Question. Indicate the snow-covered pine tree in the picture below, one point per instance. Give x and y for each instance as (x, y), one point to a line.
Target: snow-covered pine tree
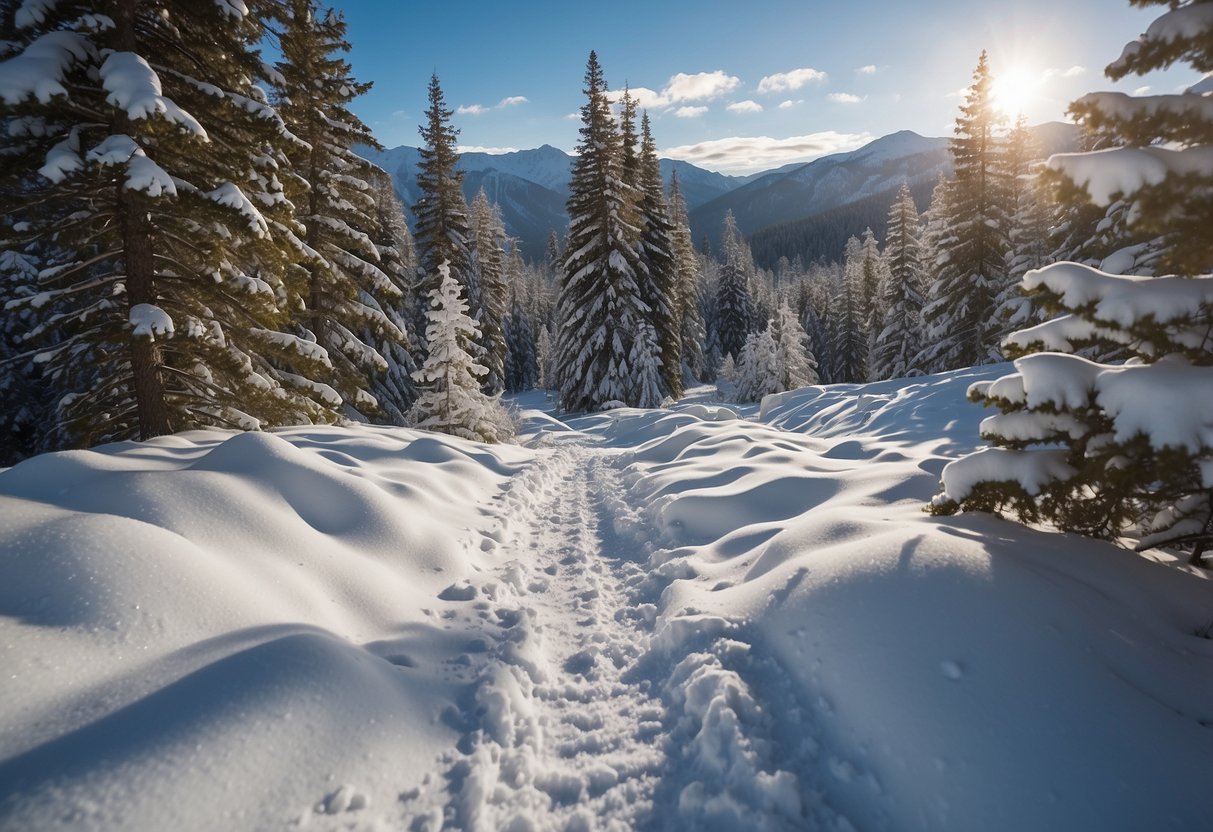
(347, 291)
(486, 288)
(553, 255)
(451, 399)
(521, 362)
(795, 365)
(899, 339)
(959, 314)
(848, 340)
(394, 389)
(757, 371)
(873, 277)
(25, 399)
(157, 156)
(734, 304)
(1115, 450)
(816, 308)
(441, 231)
(687, 279)
(659, 279)
(545, 360)
(1031, 218)
(600, 311)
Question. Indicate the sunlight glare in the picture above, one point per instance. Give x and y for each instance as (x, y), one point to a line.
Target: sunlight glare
(1015, 89)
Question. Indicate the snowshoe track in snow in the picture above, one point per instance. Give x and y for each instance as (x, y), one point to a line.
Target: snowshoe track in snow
(590, 714)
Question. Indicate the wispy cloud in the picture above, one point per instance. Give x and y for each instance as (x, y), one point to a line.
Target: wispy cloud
(492, 151)
(748, 154)
(789, 103)
(690, 112)
(793, 80)
(746, 106)
(844, 98)
(480, 109)
(1072, 72)
(681, 88)
(869, 69)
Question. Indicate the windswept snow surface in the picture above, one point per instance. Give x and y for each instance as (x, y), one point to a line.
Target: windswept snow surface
(697, 618)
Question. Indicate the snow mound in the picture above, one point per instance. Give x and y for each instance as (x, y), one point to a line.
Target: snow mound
(258, 606)
(917, 672)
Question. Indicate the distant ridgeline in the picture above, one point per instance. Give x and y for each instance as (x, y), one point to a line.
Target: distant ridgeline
(804, 209)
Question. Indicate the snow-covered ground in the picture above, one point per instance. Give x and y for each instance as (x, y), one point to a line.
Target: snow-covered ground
(643, 619)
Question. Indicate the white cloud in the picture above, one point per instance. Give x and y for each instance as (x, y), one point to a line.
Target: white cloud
(870, 69)
(645, 98)
(844, 98)
(741, 154)
(1074, 71)
(702, 86)
(690, 112)
(480, 109)
(573, 116)
(492, 151)
(787, 81)
(746, 106)
(1142, 90)
(789, 104)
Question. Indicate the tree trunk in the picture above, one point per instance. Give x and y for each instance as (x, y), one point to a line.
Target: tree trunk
(135, 228)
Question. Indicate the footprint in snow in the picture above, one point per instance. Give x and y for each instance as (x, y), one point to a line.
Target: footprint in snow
(345, 799)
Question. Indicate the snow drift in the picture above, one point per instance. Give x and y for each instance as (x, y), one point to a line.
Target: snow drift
(661, 619)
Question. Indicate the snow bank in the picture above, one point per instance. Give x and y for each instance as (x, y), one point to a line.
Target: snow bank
(911, 672)
(211, 630)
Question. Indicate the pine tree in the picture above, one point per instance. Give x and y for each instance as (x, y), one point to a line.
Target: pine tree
(873, 276)
(692, 334)
(659, 279)
(600, 310)
(347, 291)
(1030, 211)
(848, 340)
(451, 399)
(758, 370)
(545, 360)
(394, 388)
(522, 370)
(1115, 450)
(899, 339)
(160, 224)
(734, 305)
(972, 259)
(486, 289)
(795, 365)
(441, 231)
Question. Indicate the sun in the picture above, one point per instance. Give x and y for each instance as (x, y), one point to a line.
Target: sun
(1015, 89)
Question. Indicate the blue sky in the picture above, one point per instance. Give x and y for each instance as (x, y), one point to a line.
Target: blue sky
(752, 85)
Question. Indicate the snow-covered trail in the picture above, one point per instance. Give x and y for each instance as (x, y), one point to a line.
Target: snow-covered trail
(562, 737)
(581, 720)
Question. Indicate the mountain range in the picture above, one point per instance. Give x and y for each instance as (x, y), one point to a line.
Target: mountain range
(532, 186)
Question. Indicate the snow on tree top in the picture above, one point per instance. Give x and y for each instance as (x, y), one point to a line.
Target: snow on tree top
(1125, 299)
(1186, 22)
(233, 8)
(33, 13)
(148, 320)
(39, 71)
(1125, 170)
(134, 86)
